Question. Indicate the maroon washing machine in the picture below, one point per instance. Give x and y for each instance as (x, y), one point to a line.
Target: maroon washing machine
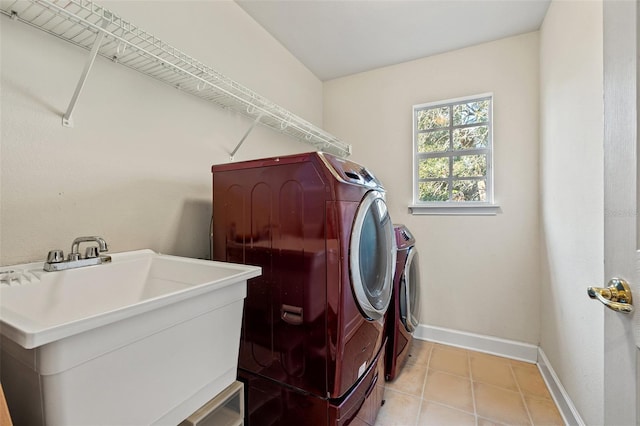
(403, 313)
(312, 344)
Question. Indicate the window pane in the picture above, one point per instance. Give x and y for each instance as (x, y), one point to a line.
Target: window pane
(470, 113)
(471, 137)
(433, 118)
(453, 150)
(433, 191)
(433, 168)
(469, 190)
(433, 141)
(470, 165)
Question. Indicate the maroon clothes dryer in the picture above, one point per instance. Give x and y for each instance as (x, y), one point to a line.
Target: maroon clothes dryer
(313, 324)
(403, 313)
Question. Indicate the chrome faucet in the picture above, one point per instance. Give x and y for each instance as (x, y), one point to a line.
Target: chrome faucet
(90, 252)
(56, 262)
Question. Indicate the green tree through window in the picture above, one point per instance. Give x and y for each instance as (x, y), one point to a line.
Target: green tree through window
(452, 151)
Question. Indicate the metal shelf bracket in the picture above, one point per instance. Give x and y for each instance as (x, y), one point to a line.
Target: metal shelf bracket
(102, 32)
(253, 125)
(66, 118)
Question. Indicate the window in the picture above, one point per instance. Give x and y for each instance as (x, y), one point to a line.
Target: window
(452, 154)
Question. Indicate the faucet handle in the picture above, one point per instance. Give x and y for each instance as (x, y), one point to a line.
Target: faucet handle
(55, 256)
(91, 252)
(73, 256)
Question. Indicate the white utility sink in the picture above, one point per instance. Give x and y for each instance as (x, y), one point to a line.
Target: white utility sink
(145, 339)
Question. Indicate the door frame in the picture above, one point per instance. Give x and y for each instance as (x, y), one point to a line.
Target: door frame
(620, 204)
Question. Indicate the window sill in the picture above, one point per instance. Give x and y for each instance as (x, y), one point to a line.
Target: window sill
(455, 210)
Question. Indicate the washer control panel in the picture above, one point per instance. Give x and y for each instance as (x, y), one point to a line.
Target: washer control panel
(352, 172)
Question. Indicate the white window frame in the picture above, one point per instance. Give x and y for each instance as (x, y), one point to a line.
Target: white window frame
(487, 207)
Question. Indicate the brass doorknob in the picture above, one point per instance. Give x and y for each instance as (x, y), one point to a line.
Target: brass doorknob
(617, 296)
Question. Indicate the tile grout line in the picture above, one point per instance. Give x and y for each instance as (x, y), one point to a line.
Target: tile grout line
(457, 375)
(424, 385)
(512, 367)
(473, 393)
(524, 402)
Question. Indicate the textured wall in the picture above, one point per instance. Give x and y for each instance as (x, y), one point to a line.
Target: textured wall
(571, 159)
(479, 274)
(136, 168)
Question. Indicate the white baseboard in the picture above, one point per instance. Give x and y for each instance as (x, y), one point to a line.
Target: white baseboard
(478, 342)
(563, 402)
(508, 349)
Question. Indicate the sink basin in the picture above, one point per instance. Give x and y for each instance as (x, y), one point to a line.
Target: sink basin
(145, 339)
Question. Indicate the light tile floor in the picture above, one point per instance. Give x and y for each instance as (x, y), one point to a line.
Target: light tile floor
(443, 385)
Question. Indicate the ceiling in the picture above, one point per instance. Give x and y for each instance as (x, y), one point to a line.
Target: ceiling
(337, 38)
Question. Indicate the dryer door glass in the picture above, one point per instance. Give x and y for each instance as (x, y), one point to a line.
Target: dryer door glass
(410, 292)
(372, 256)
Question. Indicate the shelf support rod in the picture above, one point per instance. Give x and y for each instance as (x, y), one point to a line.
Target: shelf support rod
(256, 121)
(66, 119)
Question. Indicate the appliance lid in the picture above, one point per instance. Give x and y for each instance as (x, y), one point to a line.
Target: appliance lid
(351, 172)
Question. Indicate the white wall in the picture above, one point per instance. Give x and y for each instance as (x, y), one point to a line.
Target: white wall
(571, 159)
(479, 274)
(136, 168)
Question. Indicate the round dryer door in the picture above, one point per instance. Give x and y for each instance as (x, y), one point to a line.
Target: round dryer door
(410, 292)
(372, 257)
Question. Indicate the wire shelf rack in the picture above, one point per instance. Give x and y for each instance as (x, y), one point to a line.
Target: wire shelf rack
(92, 27)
